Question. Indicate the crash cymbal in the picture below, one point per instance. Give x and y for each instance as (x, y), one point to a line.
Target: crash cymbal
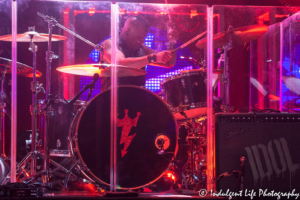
(215, 71)
(22, 69)
(102, 69)
(238, 35)
(37, 37)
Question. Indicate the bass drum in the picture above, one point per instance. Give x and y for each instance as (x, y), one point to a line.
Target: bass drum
(146, 138)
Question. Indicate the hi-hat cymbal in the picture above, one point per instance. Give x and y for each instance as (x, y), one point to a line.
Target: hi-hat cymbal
(37, 37)
(102, 69)
(22, 69)
(238, 35)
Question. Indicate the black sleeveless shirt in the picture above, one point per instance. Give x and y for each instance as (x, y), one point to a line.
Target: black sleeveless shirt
(130, 80)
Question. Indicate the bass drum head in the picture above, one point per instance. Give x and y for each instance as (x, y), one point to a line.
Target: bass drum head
(140, 160)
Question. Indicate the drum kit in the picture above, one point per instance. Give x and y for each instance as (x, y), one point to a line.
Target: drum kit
(147, 123)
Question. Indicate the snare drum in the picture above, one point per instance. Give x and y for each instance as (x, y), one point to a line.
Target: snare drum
(186, 92)
(146, 138)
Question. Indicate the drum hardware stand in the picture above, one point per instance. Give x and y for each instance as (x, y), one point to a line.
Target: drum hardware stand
(225, 77)
(49, 56)
(192, 175)
(35, 88)
(101, 53)
(2, 116)
(53, 22)
(4, 166)
(20, 168)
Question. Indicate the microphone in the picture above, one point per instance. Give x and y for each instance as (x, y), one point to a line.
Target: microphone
(92, 85)
(95, 79)
(89, 86)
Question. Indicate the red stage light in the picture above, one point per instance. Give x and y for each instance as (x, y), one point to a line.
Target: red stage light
(66, 11)
(170, 175)
(122, 11)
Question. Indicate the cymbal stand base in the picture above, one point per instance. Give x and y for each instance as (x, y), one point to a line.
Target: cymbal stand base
(21, 170)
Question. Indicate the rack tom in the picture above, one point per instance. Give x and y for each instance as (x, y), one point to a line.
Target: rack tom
(185, 94)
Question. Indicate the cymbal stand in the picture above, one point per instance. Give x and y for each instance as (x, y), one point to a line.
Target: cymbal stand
(35, 88)
(49, 56)
(96, 46)
(225, 79)
(2, 115)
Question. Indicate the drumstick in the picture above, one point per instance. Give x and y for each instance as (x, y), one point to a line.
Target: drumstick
(188, 42)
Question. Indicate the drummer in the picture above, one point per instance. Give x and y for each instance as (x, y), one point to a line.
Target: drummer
(132, 52)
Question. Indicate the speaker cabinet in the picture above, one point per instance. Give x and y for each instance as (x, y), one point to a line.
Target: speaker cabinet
(270, 144)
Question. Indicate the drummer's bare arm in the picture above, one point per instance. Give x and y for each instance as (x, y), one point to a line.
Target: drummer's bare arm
(135, 62)
(168, 58)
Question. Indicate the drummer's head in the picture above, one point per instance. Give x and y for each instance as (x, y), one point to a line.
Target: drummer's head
(135, 31)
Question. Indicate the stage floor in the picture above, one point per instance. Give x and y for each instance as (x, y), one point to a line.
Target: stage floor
(171, 194)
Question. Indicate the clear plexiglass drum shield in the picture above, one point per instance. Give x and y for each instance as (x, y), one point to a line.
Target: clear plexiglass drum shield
(248, 48)
(289, 84)
(66, 67)
(169, 90)
(8, 92)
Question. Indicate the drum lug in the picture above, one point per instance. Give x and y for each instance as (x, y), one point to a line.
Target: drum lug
(60, 110)
(161, 84)
(75, 137)
(186, 99)
(182, 82)
(58, 143)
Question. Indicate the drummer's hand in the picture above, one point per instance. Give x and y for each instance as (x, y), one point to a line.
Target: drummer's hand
(163, 57)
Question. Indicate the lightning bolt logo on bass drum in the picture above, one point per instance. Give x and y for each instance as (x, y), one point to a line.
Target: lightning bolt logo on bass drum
(126, 123)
